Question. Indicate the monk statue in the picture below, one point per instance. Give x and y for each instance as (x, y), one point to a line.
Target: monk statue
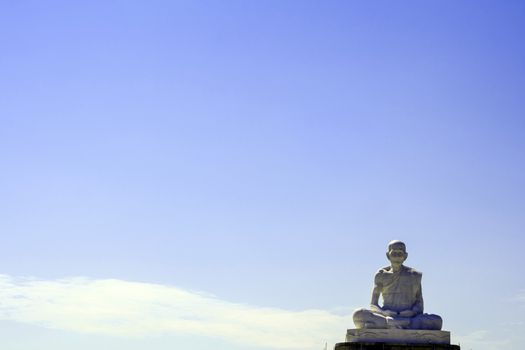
(400, 288)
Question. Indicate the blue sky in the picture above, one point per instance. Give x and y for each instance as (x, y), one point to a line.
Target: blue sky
(227, 174)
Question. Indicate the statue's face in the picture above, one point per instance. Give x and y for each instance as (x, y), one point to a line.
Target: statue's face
(397, 254)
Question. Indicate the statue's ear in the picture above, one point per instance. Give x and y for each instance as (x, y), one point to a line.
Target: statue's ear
(406, 255)
(387, 256)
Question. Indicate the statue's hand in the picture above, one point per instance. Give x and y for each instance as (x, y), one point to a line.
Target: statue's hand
(407, 313)
(389, 313)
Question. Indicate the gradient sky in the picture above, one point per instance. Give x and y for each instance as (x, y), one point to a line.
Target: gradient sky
(227, 174)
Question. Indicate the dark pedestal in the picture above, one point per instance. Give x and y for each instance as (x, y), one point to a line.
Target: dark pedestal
(393, 346)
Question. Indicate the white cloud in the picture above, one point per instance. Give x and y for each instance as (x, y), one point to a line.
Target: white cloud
(131, 309)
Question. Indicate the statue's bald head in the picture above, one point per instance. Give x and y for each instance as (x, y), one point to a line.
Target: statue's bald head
(397, 252)
(396, 244)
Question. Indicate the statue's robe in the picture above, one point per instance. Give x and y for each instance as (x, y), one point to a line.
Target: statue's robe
(400, 291)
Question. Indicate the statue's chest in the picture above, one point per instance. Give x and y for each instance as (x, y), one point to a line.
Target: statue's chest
(398, 283)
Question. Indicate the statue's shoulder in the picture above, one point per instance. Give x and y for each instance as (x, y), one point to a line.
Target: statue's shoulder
(381, 275)
(413, 271)
(385, 269)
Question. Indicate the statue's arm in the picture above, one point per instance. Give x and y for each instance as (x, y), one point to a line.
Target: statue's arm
(374, 303)
(418, 305)
(376, 293)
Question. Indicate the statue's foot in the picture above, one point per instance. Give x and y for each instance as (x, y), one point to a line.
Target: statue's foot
(371, 325)
(397, 323)
(394, 326)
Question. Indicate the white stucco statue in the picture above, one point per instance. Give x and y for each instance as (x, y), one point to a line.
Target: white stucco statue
(400, 288)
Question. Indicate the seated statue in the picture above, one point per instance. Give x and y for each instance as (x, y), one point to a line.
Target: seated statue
(400, 288)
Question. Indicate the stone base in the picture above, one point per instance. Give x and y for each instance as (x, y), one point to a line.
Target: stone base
(400, 336)
(393, 346)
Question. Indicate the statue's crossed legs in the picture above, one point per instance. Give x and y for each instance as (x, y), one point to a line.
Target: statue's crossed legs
(364, 318)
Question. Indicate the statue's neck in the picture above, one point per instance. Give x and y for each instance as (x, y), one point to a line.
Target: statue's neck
(396, 267)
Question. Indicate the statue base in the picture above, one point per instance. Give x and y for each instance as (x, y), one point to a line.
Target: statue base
(393, 346)
(396, 339)
(401, 336)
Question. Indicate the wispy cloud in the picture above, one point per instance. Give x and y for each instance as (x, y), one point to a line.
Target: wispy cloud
(132, 309)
